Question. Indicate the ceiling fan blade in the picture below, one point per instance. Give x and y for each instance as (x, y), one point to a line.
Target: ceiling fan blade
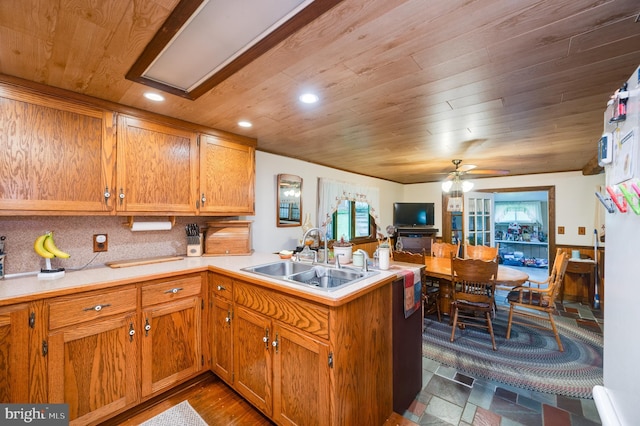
(488, 172)
(466, 167)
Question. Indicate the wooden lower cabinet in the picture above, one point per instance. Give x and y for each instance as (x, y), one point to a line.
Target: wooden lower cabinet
(14, 345)
(222, 338)
(110, 350)
(252, 355)
(300, 378)
(93, 367)
(171, 344)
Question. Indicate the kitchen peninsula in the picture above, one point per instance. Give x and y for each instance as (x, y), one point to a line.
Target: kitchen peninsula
(311, 352)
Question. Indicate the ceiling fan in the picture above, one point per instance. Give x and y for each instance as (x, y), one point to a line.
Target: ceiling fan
(454, 181)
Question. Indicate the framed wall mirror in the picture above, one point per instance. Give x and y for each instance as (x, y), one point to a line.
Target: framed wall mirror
(289, 201)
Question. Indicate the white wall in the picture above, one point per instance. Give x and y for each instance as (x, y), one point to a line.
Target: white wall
(266, 235)
(575, 200)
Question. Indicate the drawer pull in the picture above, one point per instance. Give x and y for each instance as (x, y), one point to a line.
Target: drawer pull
(97, 308)
(174, 290)
(221, 288)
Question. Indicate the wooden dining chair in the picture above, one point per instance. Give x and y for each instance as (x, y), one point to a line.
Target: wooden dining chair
(481, 252)
(430, 293)
(536, 299)
(473, 282)
(444, 249)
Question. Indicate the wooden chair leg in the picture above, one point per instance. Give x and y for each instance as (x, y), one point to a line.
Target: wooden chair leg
(438, 307)
(455, 323)
(555, 332)
(509, 324)
(490, 326)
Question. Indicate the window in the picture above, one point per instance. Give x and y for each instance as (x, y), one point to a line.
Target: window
(351, 220)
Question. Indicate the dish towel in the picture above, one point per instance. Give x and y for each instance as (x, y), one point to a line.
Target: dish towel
(412, 291)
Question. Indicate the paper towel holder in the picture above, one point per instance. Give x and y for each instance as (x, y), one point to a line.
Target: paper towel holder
(131, 219)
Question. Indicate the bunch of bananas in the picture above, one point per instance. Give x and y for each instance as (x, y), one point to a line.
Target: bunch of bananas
(46, 248)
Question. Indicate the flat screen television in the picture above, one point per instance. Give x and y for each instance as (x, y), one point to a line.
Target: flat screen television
(407, 215)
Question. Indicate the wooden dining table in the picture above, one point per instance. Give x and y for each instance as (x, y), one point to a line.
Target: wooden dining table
(439, 268)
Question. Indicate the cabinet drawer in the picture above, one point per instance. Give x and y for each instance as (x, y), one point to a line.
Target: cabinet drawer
(221, 286)
(71, 310)
(303, 315)
(165, 291)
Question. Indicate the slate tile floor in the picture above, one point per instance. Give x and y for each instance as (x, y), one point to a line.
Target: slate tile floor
(449, 397)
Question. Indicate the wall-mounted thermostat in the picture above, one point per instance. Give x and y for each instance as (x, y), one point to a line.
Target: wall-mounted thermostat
(605, 151)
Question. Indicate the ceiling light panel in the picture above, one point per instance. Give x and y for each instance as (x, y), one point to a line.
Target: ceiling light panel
(217, 33)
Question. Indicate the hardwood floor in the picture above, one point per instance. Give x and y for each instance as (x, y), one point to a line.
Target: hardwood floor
(216, 402)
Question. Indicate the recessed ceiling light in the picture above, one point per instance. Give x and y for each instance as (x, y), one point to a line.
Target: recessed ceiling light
(154, 97)
(309, 98)
(244, 124)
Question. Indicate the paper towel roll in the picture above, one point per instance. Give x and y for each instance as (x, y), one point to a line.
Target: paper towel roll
(151, 226)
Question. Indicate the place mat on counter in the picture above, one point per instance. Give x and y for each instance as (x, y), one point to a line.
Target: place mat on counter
(138, 262)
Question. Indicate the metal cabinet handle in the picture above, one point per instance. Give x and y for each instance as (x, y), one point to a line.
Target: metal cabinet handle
(107, 195)
(275, 343)
(97, 308)
(228, 317)
(173, 290)
(121, 195)
(265, 339)
(221, 288)
(203, 199)
(131, 332)
(147, 326)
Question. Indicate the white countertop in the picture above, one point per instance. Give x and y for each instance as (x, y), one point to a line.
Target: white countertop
(27, 288)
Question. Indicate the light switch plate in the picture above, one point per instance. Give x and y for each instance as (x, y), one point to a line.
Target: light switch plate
(560, 229)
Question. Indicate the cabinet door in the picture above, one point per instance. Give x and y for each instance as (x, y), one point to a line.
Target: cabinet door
(14, 349)
(222, 339)
(300, 378)
(157, 168)
(252, 356)
(227, 176)
(93, 367)
(171, 343)
(54, 155)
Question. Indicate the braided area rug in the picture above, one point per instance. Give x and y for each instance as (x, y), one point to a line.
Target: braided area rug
(529, 360)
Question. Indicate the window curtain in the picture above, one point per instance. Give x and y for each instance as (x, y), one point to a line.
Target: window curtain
(332, 192)
(524, 211)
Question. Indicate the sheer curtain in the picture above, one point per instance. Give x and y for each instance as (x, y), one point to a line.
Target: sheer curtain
(332, 192)
(522, 211)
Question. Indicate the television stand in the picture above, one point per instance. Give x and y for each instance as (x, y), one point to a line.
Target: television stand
(415, 240)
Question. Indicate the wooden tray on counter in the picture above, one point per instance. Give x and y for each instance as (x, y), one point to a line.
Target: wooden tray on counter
(138, 262)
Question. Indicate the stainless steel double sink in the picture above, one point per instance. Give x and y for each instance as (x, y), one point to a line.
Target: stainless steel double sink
(319, 276)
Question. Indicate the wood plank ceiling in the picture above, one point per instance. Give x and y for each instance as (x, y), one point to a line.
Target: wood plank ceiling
(405, 86)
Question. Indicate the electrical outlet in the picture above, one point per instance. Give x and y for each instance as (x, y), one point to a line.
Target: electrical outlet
(100, 242)
(581, 230)
(560, 229)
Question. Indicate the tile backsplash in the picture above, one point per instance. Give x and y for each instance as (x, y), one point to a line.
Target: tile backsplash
(74, 235)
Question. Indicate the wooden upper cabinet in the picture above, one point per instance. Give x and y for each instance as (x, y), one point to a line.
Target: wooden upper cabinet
(157, 168)
(55, 156)
(227, 177)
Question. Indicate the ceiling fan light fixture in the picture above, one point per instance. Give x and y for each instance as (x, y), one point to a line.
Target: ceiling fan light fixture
(467, 186)
(446, 185)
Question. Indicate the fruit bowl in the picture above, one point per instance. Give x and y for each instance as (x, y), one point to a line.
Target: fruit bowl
(285, 254)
